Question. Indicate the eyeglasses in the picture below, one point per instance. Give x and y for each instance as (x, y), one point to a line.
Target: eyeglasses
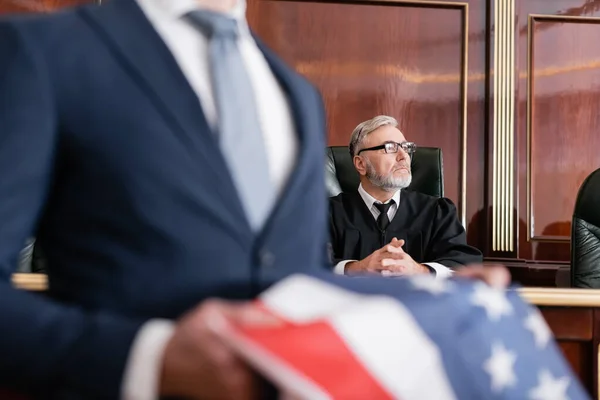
(393, 147)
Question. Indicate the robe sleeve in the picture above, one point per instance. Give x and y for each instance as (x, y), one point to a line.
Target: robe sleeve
(448, 244)
(334, 251)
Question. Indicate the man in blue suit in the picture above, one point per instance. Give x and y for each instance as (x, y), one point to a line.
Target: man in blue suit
(171, 159)
(133, 194)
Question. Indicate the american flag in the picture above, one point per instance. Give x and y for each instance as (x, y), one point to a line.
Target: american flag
(411, 339)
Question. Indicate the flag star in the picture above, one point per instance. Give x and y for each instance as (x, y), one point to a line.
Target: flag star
(431, 284)
(493, 300)
(550, 388)
(500, 367)
(538, 327)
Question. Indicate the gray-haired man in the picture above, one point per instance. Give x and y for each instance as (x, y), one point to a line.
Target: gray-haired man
(385, 229)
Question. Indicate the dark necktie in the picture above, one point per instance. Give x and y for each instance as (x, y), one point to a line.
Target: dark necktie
(383, 220)
(239, 130)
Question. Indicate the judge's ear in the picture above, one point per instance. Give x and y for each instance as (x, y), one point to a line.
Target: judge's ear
(360, 165)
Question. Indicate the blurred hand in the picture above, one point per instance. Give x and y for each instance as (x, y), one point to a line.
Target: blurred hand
(198, 365)
(390, 260)
(494, 275)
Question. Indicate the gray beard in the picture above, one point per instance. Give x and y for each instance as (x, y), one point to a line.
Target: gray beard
(388, 182)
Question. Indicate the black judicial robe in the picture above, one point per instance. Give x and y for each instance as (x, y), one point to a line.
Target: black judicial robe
(429, 226)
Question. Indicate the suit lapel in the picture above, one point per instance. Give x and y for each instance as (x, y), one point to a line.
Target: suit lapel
(148, 59)
(150, 62)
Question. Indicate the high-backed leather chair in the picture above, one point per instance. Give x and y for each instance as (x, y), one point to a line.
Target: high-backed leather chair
(427, 171)
(585, 235)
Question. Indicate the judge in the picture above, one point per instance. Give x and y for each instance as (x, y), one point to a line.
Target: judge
(383, 228)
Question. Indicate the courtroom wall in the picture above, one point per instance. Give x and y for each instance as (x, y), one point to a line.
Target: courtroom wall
(508, 90)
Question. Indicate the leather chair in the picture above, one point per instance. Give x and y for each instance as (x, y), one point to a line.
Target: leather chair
(585, 235)
(427, 171)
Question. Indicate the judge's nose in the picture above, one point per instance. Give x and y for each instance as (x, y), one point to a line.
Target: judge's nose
(401, 154)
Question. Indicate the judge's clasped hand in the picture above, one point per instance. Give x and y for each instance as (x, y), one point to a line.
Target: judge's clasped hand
(390, 260)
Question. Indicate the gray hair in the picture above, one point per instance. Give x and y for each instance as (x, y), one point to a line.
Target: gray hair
(365, 128)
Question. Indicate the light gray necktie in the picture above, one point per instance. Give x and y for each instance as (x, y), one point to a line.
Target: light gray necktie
(239, 130)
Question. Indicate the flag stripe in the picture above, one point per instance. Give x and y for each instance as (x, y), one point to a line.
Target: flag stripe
(292, 384)
(394, 348)
(320, 353)
(381, 334)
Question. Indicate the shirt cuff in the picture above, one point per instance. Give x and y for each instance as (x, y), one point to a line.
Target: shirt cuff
(340, 268)
(441, 271)
(144, 364)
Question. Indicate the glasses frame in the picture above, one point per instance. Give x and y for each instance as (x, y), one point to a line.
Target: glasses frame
(387, 146)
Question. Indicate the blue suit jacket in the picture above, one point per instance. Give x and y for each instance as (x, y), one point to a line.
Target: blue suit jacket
(106, 157)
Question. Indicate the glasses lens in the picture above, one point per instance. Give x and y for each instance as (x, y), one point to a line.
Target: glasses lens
(391, 147)
(409, 147)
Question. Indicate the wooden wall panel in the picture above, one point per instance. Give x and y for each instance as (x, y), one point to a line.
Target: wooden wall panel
(20, 6)
(563, 149)
(576, 331)
(407, 59)
(559, 78)
(513, 167)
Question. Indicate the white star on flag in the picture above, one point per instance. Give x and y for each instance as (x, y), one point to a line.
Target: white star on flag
(538, 327)
(493, 300)
(430, 284)
(550, 388)
(500, 367)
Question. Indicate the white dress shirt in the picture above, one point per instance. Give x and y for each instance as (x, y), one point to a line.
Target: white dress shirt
(190, 50)
(441, 271)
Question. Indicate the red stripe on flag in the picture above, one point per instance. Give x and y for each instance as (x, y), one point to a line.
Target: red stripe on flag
(320, 354)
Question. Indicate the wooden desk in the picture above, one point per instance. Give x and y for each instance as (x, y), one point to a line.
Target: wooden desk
(535, 273)
(574, 317)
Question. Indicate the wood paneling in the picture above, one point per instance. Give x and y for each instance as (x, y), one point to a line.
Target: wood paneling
(559, 77)
(404, 59)
(573, 315)
(576, 324)
(577, 355)
(431, 65)
(565, 79)
(575, 331)
(20, 6)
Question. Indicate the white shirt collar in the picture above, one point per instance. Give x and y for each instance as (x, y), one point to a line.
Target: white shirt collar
(370, 200)
(178, 8)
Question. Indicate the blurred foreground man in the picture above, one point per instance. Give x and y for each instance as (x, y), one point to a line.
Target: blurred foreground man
(158, 176)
